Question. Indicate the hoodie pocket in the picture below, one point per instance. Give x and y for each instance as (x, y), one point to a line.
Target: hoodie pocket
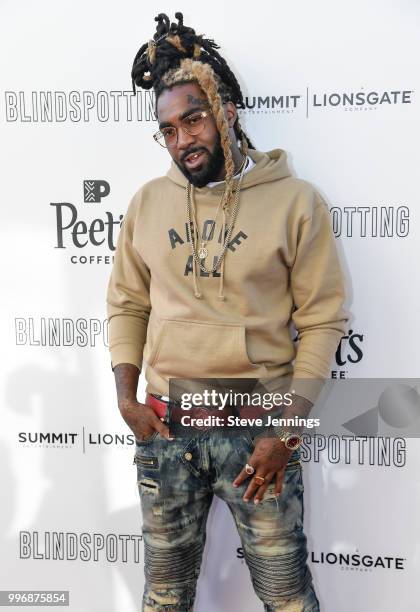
(186, 349)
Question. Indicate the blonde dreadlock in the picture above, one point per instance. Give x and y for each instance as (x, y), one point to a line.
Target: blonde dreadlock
(204, 75)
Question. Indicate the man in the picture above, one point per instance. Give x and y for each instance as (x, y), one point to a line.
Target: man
(213, 262)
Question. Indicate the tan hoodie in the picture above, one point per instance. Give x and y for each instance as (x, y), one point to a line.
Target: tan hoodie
(281, 266)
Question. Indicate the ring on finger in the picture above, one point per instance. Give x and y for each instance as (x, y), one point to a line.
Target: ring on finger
(259, 480)
(249, 469)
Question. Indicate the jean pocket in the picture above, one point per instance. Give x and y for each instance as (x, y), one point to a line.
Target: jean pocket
(148, 439)
(146, 461)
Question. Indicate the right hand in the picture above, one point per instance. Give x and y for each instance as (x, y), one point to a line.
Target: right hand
(142, 420)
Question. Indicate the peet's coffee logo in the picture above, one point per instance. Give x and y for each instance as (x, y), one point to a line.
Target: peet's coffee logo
(370, 221)
(75, 106)
(94, 191)
(349, 352)
(357, 561)
(74, 231)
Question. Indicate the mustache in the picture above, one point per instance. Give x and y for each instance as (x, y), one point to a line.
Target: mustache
(184, 157)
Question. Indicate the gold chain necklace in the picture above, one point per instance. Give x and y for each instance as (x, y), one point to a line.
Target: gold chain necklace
(203, 251)
(228, 234)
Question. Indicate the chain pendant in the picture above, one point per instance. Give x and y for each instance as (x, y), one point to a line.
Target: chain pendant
(202, 252)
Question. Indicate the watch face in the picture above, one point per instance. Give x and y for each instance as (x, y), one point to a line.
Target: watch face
(292, 442)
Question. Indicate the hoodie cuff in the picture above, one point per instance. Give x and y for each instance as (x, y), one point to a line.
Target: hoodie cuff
(126, 353)
(306, 387)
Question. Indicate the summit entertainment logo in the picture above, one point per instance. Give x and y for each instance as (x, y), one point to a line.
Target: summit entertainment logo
(271, 104)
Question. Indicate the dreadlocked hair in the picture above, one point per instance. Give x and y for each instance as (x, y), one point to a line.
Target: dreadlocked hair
(177, 55)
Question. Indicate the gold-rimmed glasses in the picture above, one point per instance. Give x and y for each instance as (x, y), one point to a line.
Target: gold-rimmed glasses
(192, 124)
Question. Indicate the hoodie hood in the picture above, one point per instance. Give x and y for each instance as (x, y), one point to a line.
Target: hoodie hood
(269, 166)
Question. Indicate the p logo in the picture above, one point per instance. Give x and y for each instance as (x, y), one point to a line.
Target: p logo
(94, 191)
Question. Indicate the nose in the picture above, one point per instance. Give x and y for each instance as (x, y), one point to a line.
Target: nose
(185, 141)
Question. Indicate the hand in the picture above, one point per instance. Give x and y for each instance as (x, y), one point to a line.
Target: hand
(269, 459)
(142, 420)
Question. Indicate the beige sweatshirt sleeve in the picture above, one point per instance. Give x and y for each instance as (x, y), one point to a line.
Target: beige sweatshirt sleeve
(128, 300)
(318, 290)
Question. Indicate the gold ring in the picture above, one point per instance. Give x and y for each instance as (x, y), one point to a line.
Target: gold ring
(261, 478)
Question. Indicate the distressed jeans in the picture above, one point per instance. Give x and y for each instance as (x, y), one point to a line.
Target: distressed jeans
(177, 480)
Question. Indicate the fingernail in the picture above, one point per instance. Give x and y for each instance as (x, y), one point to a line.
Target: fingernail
(235, 485)
(256, 501)
(246, 499)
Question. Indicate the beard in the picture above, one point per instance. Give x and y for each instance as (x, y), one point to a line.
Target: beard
(209, 170)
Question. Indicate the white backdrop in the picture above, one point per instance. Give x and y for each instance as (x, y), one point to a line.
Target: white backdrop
(70, 517)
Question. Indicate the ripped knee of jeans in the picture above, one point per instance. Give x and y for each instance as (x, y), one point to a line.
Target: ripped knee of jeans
(162, 597)
(150, 492)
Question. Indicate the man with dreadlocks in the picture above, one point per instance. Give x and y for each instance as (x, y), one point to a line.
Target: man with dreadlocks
(213, 262)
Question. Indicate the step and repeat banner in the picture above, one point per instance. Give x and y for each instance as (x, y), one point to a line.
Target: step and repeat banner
(337, 87)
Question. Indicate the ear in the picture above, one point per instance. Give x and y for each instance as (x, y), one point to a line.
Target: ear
(230, 113)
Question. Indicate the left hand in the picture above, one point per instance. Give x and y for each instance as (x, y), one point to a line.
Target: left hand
(269, 459)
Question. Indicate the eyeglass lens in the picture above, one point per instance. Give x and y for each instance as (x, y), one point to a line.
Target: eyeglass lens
(193, 124)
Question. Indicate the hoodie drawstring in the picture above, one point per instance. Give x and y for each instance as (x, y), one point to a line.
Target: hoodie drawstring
(222, 267)
(197, 291)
